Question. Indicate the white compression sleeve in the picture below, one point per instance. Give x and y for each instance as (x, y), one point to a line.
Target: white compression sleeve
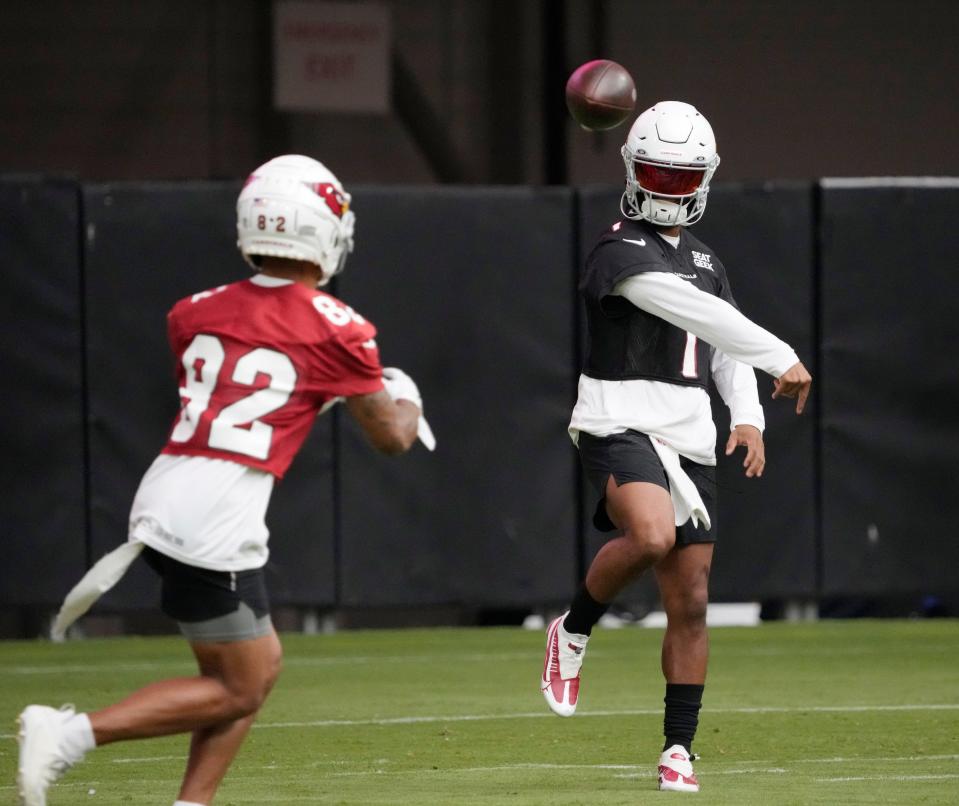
(736, 384)
(710, 318)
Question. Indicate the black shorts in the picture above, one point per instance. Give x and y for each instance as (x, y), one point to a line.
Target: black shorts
(630, 456)
(191, 594)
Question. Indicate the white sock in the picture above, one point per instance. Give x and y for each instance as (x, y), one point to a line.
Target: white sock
(77, 738)
(188, 803)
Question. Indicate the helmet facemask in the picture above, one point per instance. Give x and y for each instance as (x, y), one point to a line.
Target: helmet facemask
(673, 194)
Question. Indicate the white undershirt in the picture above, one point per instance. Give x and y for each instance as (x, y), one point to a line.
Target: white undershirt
(204, 512)
(680, 415)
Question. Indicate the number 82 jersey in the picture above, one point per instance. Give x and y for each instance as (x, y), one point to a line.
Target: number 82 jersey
(257, 360)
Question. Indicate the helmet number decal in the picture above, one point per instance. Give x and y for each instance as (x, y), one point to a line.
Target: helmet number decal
(689, 357)
(279, 222)
(237, 427)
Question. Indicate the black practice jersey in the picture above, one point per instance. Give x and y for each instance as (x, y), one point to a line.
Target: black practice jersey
(626, 343)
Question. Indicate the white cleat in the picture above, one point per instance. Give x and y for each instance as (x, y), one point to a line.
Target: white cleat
(41, 760)
(676, 771)
(564, 657)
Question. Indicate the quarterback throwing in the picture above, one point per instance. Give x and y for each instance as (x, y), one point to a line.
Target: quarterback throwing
(662, 322)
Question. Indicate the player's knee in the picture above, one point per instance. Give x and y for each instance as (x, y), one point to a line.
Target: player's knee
(272, 672)
(696, 608)
(247, 701)
(651, 542)
(689, 609)
(661, 544)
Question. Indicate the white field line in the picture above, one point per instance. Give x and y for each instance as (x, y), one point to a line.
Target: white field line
(887, 778)
(641, 771)
(479, 657)
(416, 720)
(737, 767)
(145, 760)
(756, 771)
(432, 719)
(343, 660)
(61, 784)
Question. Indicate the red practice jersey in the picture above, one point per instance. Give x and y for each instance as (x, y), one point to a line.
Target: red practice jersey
(257, 361)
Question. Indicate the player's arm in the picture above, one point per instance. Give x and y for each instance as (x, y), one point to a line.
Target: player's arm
(736, 384)
(389, 425)
(718, 323)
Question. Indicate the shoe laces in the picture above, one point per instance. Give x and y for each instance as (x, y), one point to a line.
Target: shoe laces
(59, 766)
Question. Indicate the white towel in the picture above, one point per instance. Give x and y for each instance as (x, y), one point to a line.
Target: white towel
(687, 503)
(104, 574)
(425, 433)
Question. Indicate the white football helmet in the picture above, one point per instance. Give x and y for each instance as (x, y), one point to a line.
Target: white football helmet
(294, 207)
(670, 156)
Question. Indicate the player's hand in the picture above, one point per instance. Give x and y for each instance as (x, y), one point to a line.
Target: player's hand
(401, 386)
(751, 439)
(794, 382)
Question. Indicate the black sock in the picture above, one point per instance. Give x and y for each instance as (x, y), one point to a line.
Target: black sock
(584, 612)
(683, 701)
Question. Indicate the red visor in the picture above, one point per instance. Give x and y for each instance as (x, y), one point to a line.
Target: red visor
(667, 181)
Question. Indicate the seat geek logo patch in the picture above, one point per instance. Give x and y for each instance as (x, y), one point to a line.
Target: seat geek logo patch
(702, 260)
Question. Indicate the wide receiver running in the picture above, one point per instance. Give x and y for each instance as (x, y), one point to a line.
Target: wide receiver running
(662, 320)
(257, 360)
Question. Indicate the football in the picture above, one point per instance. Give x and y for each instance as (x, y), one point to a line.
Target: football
(600, 94)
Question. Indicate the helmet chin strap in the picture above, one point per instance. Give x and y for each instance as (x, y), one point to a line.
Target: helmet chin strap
(663, 213)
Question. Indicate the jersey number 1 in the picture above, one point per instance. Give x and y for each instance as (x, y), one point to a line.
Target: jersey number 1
(689, 357)
(237, 427)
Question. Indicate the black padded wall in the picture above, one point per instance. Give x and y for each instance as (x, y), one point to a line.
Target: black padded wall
(42, 505)
(764, 236)
(890, 426)
(147, 246)
(471, 290)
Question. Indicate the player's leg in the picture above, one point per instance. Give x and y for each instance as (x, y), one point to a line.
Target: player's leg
(683, 578)
(181, 705)
(51, 741)
(636, 501)
(213, 747)
(644, 513)
(225, 616)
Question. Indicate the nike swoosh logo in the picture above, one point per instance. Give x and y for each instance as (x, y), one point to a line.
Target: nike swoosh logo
(640, 242)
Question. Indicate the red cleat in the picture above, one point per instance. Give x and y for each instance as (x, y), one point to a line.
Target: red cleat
(564, 657)
(676, 771)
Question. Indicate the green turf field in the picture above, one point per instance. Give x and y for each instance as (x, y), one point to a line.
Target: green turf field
(831, 713)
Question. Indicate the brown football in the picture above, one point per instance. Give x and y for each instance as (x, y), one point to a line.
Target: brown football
(600, 94)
